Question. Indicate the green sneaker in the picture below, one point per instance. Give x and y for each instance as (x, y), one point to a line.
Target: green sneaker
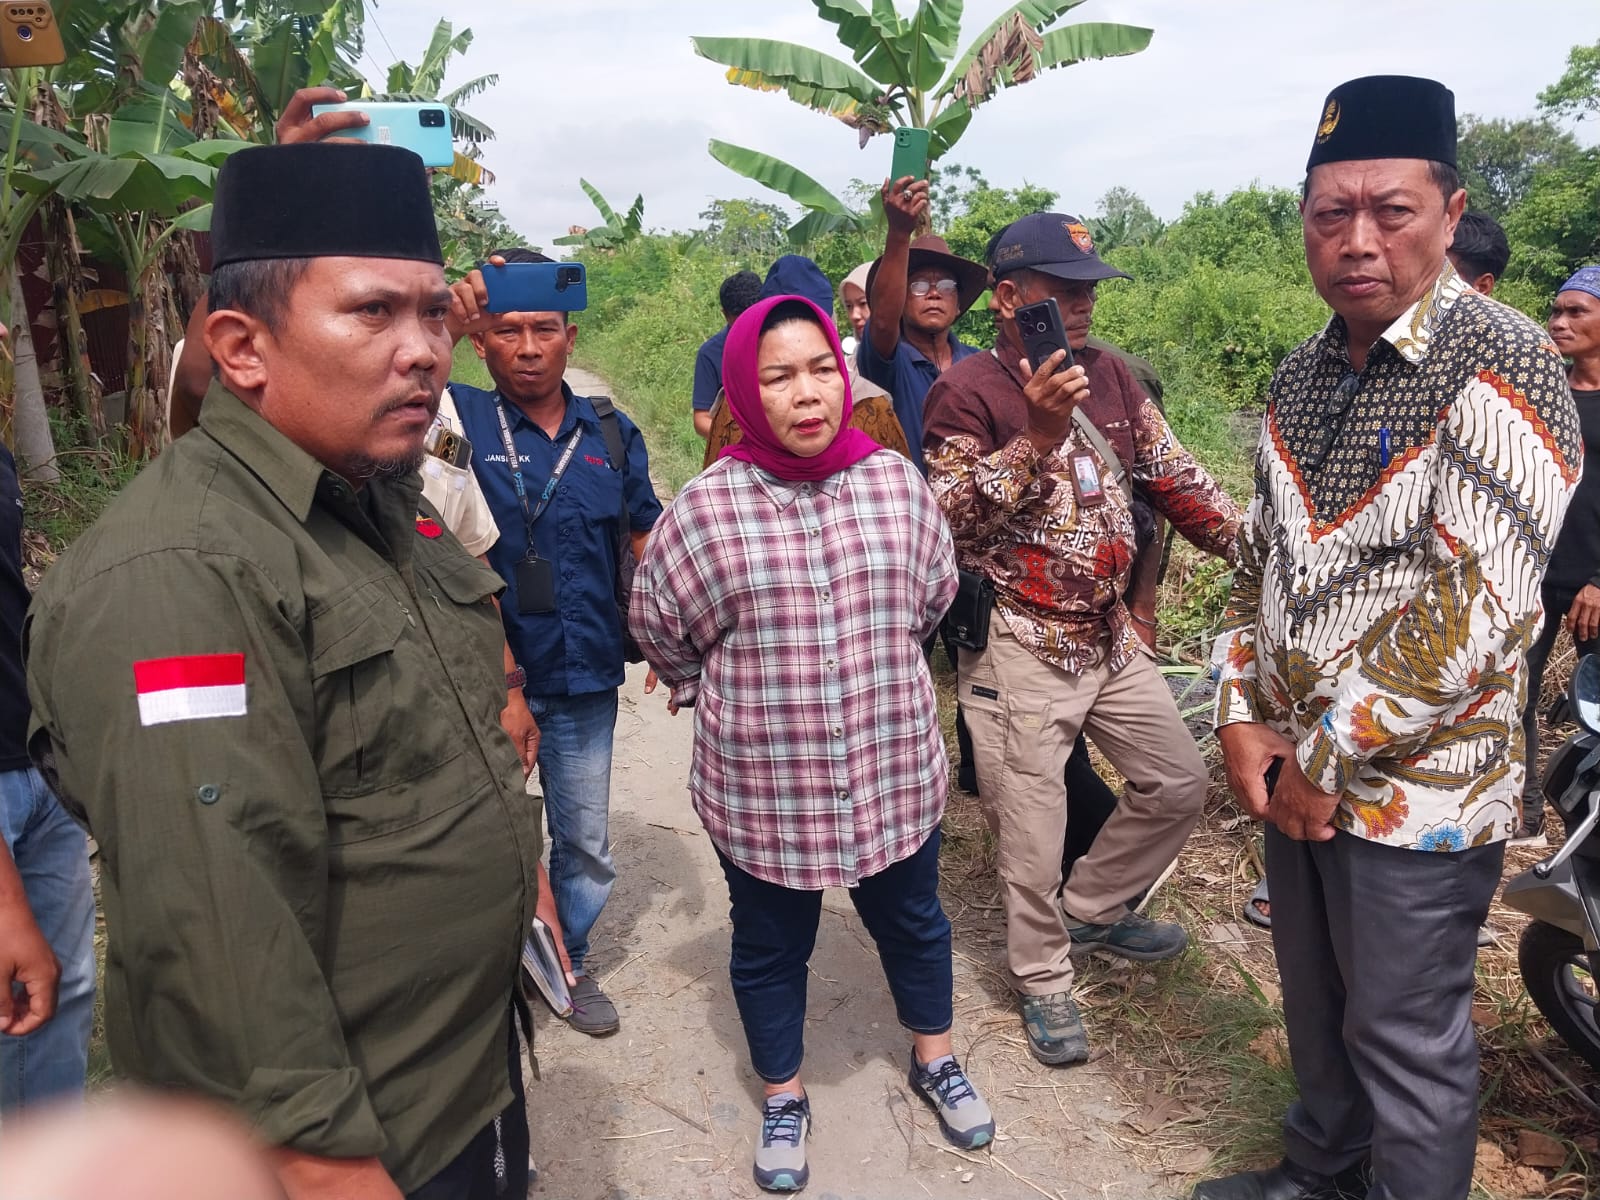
(963, 1115)
(1055, 1030)
(781, 1156)
(1132, 936)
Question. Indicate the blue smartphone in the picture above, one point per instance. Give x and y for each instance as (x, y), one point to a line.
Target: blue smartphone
(536, 287)
(418, 125)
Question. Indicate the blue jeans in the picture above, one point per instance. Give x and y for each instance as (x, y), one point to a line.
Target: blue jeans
(775, 929)
(575, 772)
(52, 856)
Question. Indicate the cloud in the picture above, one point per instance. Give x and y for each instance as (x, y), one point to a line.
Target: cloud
(1227, 94)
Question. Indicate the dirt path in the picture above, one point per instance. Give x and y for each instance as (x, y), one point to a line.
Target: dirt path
(668, 1107)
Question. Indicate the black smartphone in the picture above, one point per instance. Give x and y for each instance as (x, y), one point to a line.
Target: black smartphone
(1270, 776)
(1042, 333)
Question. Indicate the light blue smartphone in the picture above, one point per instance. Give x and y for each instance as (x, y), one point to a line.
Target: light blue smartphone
(419, 125)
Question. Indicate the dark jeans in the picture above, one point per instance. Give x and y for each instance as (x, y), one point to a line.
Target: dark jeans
(1556, 603)
(494, 1164)
(775, 929)
(1384, 1053)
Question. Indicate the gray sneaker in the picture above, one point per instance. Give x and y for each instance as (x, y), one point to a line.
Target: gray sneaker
(592, 1010)
(1055, 1030)
(963, 1115)
(1132, 936)
(781, 1156)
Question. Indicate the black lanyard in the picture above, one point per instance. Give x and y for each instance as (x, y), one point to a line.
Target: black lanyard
(514, 461)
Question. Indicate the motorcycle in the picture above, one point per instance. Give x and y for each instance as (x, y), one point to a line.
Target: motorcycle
(1559, 953)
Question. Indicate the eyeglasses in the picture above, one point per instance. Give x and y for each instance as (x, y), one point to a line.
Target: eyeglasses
(922, 287)
(1333, 415)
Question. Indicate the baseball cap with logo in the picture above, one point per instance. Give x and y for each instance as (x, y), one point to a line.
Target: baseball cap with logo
(1053, 243)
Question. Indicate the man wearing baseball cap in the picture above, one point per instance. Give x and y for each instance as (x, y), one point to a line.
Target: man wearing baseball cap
(269, 681)
(1033, 465)
(1414, 468)
(918, 291)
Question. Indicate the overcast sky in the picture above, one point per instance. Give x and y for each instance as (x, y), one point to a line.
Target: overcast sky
(1229, 92)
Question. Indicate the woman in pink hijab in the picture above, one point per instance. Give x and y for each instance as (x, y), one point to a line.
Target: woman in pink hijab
(785, 595)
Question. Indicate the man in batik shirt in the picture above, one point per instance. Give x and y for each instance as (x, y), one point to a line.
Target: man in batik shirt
(1414, 467)
(1033, 469)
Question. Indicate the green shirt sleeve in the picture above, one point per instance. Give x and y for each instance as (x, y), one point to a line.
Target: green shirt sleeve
(214, 864)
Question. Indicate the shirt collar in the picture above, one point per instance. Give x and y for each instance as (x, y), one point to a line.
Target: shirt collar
(1412, 332)
(578, 409)
(784, 492)
(958, 349)
(288, 472)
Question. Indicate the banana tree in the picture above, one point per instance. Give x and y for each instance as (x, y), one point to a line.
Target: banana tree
(152, 180)
(613, 231)
(425, 81)
(903, 71)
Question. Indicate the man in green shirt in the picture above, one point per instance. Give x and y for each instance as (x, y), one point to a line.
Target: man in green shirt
(270, 682)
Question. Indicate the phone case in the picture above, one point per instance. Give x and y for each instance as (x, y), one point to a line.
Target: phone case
(910, 154)
(418, 125)
(29, 36)
(1042, 333)
(536, 287)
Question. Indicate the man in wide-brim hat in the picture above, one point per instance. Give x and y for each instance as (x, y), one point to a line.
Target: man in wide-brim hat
(918, 291)
(1413, 472)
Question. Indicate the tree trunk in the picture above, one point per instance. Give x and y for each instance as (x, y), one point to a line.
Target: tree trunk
(149, 355)
(64, 261)
(36, 451)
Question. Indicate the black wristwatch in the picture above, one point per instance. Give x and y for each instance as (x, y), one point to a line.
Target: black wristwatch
(516, 680)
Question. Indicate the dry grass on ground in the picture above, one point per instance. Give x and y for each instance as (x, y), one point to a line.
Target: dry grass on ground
(1196, 1047)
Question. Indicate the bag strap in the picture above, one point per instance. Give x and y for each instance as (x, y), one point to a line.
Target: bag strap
(611, 428)
(1102, 447)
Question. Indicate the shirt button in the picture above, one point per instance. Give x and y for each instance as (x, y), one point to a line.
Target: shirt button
(208, 793)
(827, 595)
(831, 665)
(1302, 570)
(1300, 706)
(814, 531)
(838, 731)
(844, 795)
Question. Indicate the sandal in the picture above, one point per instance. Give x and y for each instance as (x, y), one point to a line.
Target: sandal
(1252, 906)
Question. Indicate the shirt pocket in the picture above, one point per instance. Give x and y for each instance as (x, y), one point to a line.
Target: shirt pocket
(372, 731)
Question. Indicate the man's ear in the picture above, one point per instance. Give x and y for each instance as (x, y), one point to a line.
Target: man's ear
(234, 341)
(572, 337)
(477, 343)
(1007, 298)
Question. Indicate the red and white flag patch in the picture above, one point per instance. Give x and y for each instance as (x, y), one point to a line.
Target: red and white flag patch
(193, 687)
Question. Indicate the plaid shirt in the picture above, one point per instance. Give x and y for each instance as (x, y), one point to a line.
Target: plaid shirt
(793, 616)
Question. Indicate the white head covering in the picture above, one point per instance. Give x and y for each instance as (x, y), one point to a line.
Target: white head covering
(857, 277)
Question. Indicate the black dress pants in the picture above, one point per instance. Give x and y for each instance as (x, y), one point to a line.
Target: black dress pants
(1376, 947)
(494, 1165)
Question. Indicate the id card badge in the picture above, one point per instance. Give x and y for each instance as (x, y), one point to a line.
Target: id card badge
(1086, 479)
(536, 586)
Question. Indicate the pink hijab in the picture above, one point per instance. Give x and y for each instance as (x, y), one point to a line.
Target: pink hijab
(742, 380)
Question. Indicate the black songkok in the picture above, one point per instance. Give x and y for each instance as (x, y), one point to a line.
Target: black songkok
(323, 200)
(1387, 116)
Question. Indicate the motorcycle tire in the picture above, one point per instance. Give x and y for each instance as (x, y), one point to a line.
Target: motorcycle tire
(1553, 963)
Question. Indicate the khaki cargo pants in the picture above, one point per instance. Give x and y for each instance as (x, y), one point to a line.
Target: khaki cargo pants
(1024, 715)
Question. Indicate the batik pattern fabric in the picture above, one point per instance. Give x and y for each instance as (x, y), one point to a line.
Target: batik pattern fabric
(1060, 567)
(1385, 598)
(792, 616)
